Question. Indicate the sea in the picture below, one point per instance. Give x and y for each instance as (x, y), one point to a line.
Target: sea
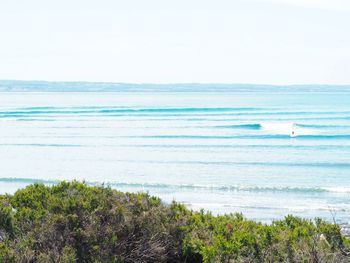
(263, 151)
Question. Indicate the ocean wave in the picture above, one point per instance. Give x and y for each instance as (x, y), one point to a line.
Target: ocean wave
(8, 119)
(339, 165)
(330, 136)
(251, 126)
(160, 186)
(232, 118)
(108, 110)
(281, 126)
(242, 146)
(283, 189)
(27, 180)
(79, 110)
(253, 136)
(321, 126)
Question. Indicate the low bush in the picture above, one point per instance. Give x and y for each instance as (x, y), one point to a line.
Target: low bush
(74, 222)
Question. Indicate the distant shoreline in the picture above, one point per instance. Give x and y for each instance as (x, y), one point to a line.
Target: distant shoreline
(79, 86)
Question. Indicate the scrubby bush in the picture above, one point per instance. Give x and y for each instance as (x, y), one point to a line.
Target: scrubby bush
(73, 222)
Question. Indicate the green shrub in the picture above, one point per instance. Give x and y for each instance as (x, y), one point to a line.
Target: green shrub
(74, 222)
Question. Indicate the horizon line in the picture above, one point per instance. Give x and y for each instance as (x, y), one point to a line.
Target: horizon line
(170, 83)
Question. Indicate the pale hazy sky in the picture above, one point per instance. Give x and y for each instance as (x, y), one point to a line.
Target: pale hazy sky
(162, 41)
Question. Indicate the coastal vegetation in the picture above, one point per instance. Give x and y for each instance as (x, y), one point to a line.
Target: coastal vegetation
(74, 222)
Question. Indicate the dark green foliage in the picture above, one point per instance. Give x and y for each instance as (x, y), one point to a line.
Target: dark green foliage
(73, 222)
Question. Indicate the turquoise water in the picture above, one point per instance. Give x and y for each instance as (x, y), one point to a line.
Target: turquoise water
(221, 151)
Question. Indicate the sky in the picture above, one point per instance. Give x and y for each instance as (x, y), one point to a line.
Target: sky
(177, 41)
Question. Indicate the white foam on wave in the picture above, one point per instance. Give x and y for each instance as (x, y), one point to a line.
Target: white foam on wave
(338, 189)
(8, 119)
(286, 128)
